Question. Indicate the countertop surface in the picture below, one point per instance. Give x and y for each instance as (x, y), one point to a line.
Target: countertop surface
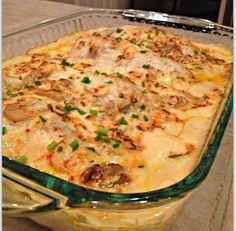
(209, 209)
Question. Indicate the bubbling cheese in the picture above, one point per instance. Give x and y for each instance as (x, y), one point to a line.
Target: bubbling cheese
(114, 109)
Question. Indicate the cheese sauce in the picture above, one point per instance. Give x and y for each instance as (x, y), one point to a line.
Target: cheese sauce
(114, 109)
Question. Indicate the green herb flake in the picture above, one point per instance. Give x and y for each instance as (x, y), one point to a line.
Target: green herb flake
(102, 135)
(52, 145)
(97, 72)
(86, 80)
(119, 39)
(119, 75)
(110, 82)
(42, 119)
(196, 52)
(145, 66)
(122, 121)
(21, 159)
(26, 86)
(119, 30)
(133, 40)
(145, 118)
(103, 73)
(67, 108)
(156, 84)
(81, 112)
(37, 83)
(93, 112)
(101, 131)
(116, 144)
(149, 36)
(144, 91)
(135, 116)
(74, 145)
(4, 131)
(9, 93)
(59, 149)
(64, 62)
(143, 51)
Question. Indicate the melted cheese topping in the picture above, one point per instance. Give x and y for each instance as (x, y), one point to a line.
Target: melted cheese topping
(115, 109)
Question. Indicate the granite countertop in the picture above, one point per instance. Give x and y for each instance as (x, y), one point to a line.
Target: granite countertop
(210, 208)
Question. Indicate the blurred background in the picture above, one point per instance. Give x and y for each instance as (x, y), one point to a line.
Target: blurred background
(220, 11)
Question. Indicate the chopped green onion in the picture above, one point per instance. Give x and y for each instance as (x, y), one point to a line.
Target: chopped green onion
(144, 91)
(143, 51)
(21, 159)
(135, 116)
(42, 118)
(133, 40)
(37, 83)
(64, 62)
(26, 86)
(86, 80)
(119, 75)
(67, 108)
(197, 52)
(116, 144)
(145, 66)
(122, 121)
(4, 131)
(145, 118)
(97, 72)
(110, 82)
(74, 145)
(81, 112)
(118, 30)
(101, 131)
(52, 145)
(103, 73)
(119, 39)
(59, 149)
(9, 93)
(93, 112)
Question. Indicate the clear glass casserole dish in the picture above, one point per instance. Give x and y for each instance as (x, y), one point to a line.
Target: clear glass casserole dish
(62, 205)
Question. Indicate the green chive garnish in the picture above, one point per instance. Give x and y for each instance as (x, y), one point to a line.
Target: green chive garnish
(110, 82)
(197, 52)
(81, 112)
(67, 108)
(145, 66)
(97, 72)
(42, 118)
(122, 121)
(74, 145)
(118, 30)
(116, 144)
(59, 149)
(52, 145)
(103, 73)
(119, 39)
(21, 159)
(145, 118)
(86, 80)
(102, 135)
(119, 75)
(143, 51)
(37, 83)
(4, 131)
(64, 62)
(93, 112)
(9, 93)
(26, 86)
(133, 40)
(135, 116)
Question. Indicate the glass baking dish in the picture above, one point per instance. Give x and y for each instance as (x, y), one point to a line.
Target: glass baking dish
(62, 205)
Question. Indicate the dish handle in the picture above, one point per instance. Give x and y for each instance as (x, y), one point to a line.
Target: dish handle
(20, 199)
